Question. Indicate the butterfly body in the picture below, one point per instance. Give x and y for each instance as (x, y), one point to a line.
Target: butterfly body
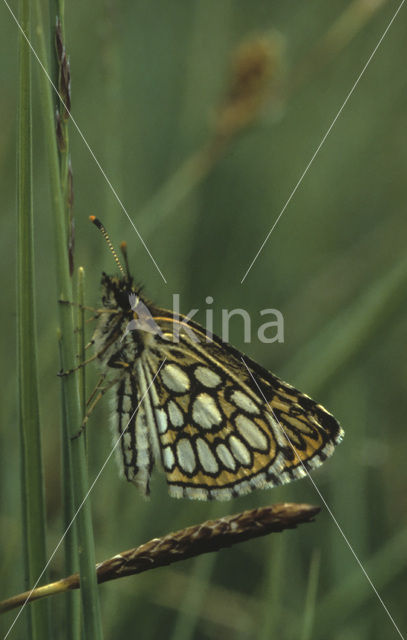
(218, 424)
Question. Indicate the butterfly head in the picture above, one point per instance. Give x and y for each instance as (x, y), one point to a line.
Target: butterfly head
(117, 292)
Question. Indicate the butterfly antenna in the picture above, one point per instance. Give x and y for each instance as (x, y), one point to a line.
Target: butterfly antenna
(105, 234)
(123, 249)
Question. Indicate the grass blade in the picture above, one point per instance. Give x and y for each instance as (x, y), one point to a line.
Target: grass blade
(33, 497)
(311, 597)
(72, 601)
(272, 610)
(89, 590)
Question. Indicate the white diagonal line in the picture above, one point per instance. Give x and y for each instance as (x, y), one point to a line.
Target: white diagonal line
(326, 504)
(84, 500)
(322, 141)
(84, 139)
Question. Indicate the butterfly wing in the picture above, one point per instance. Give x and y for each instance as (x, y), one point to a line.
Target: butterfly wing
(224, 425)
(132, 435)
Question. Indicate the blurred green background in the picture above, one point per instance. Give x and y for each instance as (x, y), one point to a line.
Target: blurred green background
(147, 78)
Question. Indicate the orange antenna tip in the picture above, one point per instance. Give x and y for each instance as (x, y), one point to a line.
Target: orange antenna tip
(96, 222)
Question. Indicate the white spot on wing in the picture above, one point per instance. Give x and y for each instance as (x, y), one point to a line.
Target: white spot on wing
(205, 412)
(206, 457)
(185, 455)
(244, 402)
(168, 458)
(207, 377)
(251, 433)
(162, 420)
(239, 450)
(174, 378)
(226, 457)
(175, 413)
(278, 430)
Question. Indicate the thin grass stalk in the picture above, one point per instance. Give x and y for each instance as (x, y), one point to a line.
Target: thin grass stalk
(89, 590)
(57, 53)
(72, 600)
(52, 13)
(307, 625)
(81, 339)
(32, 485)
(273, 590)
(62, 80)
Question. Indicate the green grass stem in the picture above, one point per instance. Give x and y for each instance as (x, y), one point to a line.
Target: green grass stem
(311, 597)
(89, 590)
(273, 590)
(81, 338)
(32, 485)
(72, 599)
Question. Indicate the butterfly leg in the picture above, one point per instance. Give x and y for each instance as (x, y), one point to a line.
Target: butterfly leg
(87, 308)
(93, 401)
(96, 389)
(89, 344)
(67, 372)
(96, 312)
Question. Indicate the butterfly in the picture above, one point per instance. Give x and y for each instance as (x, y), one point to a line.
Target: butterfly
(218, 423)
